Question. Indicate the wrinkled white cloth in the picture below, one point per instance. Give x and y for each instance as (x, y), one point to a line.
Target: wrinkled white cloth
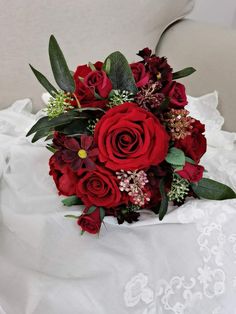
(185, 264)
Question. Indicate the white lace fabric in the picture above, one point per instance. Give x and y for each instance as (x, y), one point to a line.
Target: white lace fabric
(185, 264)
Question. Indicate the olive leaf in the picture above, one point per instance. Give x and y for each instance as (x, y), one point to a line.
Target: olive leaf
(60, 69)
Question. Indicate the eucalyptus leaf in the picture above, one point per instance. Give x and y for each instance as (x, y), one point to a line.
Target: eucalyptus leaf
(212, 190)
(175, 156)
(51, 149)
(92, 66)
(164, 200)
(190, 160)
(91, 210)
(60, 68)
(107, 66)
(72, 200)
(120, 72)
(183, 73)
(48, 124)
(40, 134)
(102, 213)
(44, 81)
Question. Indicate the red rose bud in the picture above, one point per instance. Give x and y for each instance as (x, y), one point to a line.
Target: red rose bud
(140, 75)
(90, 222)
(99, 82)
(84, 93)
(130, 138)
(192, 173)
(177, 95)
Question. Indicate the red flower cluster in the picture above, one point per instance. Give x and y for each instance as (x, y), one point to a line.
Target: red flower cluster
(122, 138)
(117, 167)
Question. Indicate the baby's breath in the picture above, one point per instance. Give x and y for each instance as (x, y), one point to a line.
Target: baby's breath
(119, 97)
(179, 189)
(58, 104)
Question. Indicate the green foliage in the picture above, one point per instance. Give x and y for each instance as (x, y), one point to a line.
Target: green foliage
(175, 157)
(183, 73)
(212, 190)
(44, 81)
(60, 68)
(72, 200)
(164, 200)
(119, 72)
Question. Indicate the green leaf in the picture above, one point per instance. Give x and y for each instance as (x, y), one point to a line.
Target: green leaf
(107, 66)
(212, 190)
(60, 68)
(175, 156)
(44, 81)
(183, 73)
(190, 160)
(49, 124)
(164, 200)
(51, 149)
(92, 66)
(120, 72)
(72, 200)
(40, 134)
(102, 213)
(71, 216)
(91, 210)
(164, 105)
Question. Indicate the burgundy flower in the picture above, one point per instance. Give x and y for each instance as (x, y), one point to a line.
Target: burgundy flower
(77, 153)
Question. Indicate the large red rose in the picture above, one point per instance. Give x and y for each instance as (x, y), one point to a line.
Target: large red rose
(177, 95)
(64, 178)
(194, 145)
(130, 138)
(90, 222)
(141, 77)
(192, 173)
(83, 92)
(98, 187)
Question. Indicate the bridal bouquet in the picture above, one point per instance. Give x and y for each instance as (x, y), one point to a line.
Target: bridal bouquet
(121, 138)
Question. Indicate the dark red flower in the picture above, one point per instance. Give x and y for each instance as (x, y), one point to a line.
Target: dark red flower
(141, 77)
(176, 93)
(84, 93)
(157, 67)
(64, 178)
(76, 153)
(192, 173)
(90, 222)
(194, 145)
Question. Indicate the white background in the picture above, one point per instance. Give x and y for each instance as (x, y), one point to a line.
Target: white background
(220, 12)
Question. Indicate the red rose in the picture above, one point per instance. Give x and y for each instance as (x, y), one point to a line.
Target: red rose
(98, 187)
(64, 178)
(140, 75)
(84, 93)
(194, 145)
(98, 82)
(90, 222)
(192, 173)
(130, 138)
(177, 95)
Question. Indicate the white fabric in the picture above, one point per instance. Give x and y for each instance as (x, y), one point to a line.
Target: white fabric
(183, 265)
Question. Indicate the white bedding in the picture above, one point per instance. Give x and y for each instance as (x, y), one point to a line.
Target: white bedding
(185, 264)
